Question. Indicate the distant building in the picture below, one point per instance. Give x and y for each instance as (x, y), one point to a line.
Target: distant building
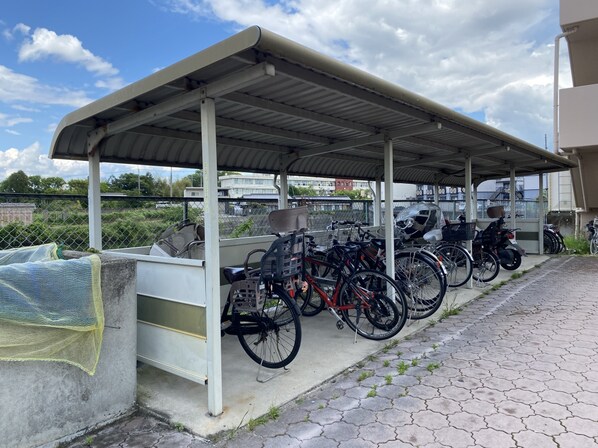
(22, 213)
(197, 192)
(240, 185)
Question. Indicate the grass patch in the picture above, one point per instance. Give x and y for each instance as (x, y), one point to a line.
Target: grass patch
(516, 275)
(389, 345)
(386, 363)
(272, 414)
(365, 375)
(372, 393)
(88, 440)
(388, 379)
(579, 246)
(402, 367)
(414, 362)
(434, 346)
(432, 366)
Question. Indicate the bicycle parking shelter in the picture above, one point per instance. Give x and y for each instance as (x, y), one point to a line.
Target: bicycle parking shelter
(258, 102)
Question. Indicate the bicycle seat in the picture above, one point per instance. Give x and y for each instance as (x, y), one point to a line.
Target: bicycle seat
(234, 273)
(378, 243)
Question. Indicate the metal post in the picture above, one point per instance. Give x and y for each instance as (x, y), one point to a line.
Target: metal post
(474, 201)
(378, 203)
(283, 198)
(389, 223)
(512, 192)
(540, 214)
(212, 247)
(468, 213)
(94, 205)
(436, 194)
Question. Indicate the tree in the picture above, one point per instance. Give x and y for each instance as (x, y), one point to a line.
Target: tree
(47, 185)
(134, 184)
(16, 183)
(301, 191)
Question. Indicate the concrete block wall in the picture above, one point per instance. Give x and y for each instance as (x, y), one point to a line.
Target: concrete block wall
(45, 403)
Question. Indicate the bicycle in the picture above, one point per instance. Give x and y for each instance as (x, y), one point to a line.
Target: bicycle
(368, 301)
(592, 227)
(259, 310)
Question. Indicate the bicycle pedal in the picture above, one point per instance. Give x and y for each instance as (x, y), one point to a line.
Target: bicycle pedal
(339, 325)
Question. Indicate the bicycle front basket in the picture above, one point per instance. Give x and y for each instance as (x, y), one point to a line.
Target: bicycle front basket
(284, 258)
(248, 295)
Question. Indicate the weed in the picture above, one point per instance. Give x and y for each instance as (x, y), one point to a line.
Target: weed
(432, 366)
(233, 432)
(179, 426)
(372, 358)
(88, 440)
(434, 346)
(321, 406)
(335, 395)
(360, 364)
(516, 275)
(364, 375)
(388, 379)
(300, 400)
(414, 362)
(389, 345)
(399, 353)
(272, 414)
(386, 363)
(372, 393)
(402, 367)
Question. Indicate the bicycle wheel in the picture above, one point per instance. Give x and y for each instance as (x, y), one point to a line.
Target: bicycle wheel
(372, 304)
(309, 303)
(594, 246)
(486, 265)
(422, 281)
(458, 263)
(550, 243)
(271, 336)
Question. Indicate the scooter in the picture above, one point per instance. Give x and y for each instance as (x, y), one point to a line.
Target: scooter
(499, 239)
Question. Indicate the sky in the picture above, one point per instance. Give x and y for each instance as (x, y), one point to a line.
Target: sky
(489, 59)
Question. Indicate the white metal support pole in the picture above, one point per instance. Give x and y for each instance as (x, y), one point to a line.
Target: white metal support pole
(468, 213)
(283, 200)
(512, 193)
(94, 206)
(212, 247)
(474, 200)
(540, 214)
(389, 223)
(436, 194)
(378, 203)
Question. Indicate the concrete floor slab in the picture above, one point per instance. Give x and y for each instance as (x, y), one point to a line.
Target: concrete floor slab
(325, 352)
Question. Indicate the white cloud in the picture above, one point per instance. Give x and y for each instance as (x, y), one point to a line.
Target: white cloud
(18, 87)
(45, 43)
(7, 121)
(487, 56)
(32, 161)
(111, 84)
(10, 131)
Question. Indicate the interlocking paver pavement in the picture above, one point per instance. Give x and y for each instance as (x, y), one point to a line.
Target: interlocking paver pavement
(516, 368)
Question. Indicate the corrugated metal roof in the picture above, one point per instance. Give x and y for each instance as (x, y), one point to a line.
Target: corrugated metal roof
(310, 114)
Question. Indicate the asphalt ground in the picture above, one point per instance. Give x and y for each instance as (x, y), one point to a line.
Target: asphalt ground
(517, 367)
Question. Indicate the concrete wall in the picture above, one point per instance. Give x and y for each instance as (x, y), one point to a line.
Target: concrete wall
(42, 403)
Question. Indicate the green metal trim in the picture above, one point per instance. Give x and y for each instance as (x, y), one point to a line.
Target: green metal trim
(190, 319)
(527, 236)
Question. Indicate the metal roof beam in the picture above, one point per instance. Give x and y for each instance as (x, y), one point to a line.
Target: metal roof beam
(297, 112)
(214, 89)
(446, 158)
(377, 138)
(253, 127)
(196, 137)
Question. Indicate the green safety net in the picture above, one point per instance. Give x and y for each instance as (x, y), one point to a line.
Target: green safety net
(44, 252)
(51, 310)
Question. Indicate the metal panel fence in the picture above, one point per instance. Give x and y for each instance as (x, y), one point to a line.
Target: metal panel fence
(28, 219)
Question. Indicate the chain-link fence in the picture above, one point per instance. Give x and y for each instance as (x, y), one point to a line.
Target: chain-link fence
(27, 219)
